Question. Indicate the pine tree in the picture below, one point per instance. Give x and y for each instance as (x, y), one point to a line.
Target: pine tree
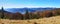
(27, 14)
(2, 16)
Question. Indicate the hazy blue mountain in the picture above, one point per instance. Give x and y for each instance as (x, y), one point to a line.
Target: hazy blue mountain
(22, 10)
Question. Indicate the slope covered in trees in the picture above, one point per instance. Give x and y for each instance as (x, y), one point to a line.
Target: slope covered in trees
(29, 15)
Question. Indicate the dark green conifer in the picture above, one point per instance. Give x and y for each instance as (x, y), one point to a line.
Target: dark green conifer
(27, 14)
(2, 11)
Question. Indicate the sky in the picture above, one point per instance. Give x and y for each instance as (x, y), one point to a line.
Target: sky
(29, 3)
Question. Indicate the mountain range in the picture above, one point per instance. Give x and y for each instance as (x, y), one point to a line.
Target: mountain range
(22, 10)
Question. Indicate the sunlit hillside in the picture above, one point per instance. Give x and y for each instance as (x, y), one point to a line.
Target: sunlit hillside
(51, 20)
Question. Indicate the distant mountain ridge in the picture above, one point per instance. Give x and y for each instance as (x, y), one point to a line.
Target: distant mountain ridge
(22, 10)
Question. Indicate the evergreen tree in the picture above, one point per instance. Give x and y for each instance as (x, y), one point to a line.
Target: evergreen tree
(2, 16)
(27, 14)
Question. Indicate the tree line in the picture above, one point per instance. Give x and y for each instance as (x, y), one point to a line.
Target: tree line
(29, 15)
